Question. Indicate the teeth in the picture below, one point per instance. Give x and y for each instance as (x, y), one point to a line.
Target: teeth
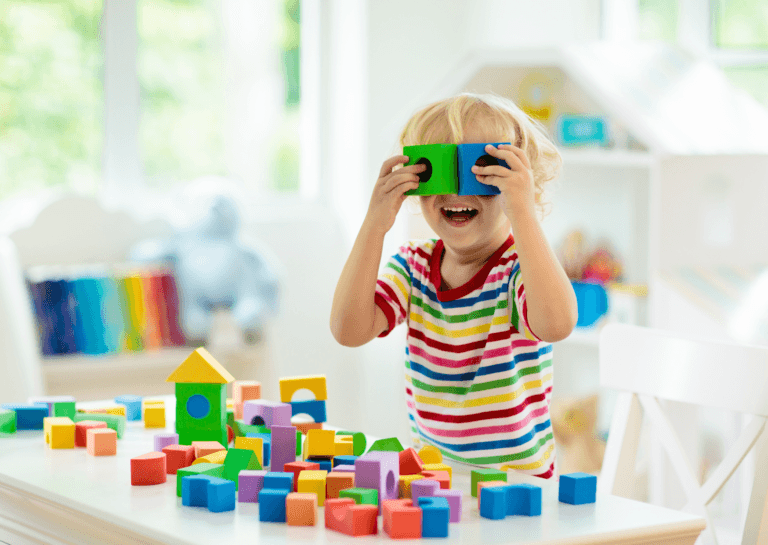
(458, 209)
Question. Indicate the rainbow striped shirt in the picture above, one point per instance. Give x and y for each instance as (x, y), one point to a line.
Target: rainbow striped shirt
(478, 381)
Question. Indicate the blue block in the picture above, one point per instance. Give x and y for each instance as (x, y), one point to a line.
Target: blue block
(344, 459)
(272, 505)
(279, 480)
(468, 154)
(132, 406)
(436, 513)
(313, 407)
(325, 463)
(493, 502)
(194, 490)
(28, 417)
(523, 499)
(577, 488)
(221, 495)
(267, 444)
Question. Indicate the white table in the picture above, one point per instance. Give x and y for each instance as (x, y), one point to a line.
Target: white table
(67, 496)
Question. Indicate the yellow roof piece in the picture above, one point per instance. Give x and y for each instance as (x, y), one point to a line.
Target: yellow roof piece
(202, 368)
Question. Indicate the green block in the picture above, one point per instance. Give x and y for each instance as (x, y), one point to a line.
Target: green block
(358, 441)
(65, 408)
(298, 443)
(214, 470)
(241, 429)
(231, 419)
(7, 421)
(216, 414)
(114, 421)
(441, 176)
(237, 460)
(186, 436)
(366, 496)
(389, 444)
(485, 475)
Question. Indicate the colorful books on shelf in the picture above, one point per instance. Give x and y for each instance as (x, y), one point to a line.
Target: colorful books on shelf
(104, 311)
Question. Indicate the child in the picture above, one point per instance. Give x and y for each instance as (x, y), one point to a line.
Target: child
(481, 305)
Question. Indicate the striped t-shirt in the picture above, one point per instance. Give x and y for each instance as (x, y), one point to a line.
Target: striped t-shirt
(478, 381)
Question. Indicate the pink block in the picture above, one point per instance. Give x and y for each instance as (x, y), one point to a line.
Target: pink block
(454, 502)
(423, 487)
(272, 413)
(250, 482)
(379, 470)
(81, 430)
(283, 446)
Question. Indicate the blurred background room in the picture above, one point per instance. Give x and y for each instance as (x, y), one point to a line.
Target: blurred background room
(179, 173)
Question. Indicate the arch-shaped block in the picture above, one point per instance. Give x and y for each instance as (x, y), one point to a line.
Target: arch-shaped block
(314, 383)
(313, 407)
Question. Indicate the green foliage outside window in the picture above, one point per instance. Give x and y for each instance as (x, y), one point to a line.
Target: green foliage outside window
(658, 20)
(740, 24)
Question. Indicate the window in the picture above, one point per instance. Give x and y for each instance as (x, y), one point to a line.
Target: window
(740, 24)
(657, 20)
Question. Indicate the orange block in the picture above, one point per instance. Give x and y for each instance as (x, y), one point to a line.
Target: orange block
(304, 427)
(204, 448)
(101, 442)
(178, 457)
(410, 463)
(401, 520)
(301, 509)
(335, 482)
(148, 469)
(342, 515)
(440, 476)
(481, 485)
(242, 391)
(81, 429)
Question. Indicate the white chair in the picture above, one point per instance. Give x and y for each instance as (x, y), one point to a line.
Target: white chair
(648, 365)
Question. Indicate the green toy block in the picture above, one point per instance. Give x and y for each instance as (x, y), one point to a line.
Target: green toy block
(238, 459)
(362, 496)
(114, 421)
(485, 475)
(441, 176)
(7, 421)
(389, 444)
(201, 406)
(240, 429)
(64, 408)
(186, 436)
(358, 441)
(214, 470)
(298, 443)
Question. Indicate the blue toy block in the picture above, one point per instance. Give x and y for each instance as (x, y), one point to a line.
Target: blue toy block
(313, 407)
(577, 488)
(523, 499)
(493, 502)
(344, 459)
(279, 480)
(272, 505)
(266, 443)
(325, 463)
(576, 129)
(194, 490)
(28, 417)
(436, 513)
(221, 495)
(469, 154)
(132, 406)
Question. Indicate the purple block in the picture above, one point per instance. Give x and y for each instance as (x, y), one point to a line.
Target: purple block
(422, 487)
(379, 470)
(273, 413)
(344, 467)
(454, 501)
(250, 482)
(283, 446)
(162, 440)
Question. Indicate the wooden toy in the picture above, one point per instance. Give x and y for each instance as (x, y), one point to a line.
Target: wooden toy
(7, 421)
(237, 460)
(101, 442)
(59, 431)
(410, 463)
(200, 390)
(326, 464)
(256, 444)
(379, 470)
(266, 413)
(316, 384)
(320, 443)
(301, 509)
(440, 177)
(335, 482)
(493, 502)
(389, 444)
(523, 499)
(28, 417)
(453, 497)
(304, 427)
(484, 474)
(279, 480)
(217, 457)
(57, 405)
(362, 496)
(487, 484)
(342, 515)
(249, 484)
(178, 457)
(242, 391)
(436, 515)
(221, 495)
(423, 487)
(577, 488)
(81, 430)
(298, 467)
(401, 520)
(214, 470)
(358, 441)
(313, 408)
(405, 485)
(344, 460)
(194, 490)
(283, 446)
(430, 455)
(162, 440)
(469, 155)
(204, 448)
(441, 477)
(148, 469)
(344, 445)
(113, 421)
(313, 481)
(132, 406)
(272, 505)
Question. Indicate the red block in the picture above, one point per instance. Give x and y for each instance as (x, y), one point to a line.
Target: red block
(410, 463)
(81, 430)
(440, 476)
(177, 457)
(298, 467)
(148, 469)
(401, 520)
(342, 515)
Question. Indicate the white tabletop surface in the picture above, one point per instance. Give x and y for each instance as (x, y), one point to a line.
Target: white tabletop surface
(68, 496)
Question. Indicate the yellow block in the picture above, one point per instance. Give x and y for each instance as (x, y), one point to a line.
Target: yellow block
(213, 458)
(313, 481)
(320, 443)
(201, 368)
(405, 484)
(230, 403)
(430, 455)
(152, 403)
(440, 467)
(344, 446)
(256, 444)
(59, 431)
(110, 409)
(314, 383)
(154, 416)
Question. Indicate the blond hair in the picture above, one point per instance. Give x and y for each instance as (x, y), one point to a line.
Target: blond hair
(499, 120)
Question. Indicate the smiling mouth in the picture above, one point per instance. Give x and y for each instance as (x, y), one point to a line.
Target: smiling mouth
(458, 214)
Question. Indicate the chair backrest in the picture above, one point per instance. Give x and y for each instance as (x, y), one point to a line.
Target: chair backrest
(648, 365)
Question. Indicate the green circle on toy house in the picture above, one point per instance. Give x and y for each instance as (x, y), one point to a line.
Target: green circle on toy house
(198, 406)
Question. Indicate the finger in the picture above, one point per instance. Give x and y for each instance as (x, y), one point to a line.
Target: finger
(390, 163)
(399, 179)
(491, 170)
(517, 153)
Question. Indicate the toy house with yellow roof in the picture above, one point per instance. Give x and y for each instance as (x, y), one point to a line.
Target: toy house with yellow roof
(201, 398)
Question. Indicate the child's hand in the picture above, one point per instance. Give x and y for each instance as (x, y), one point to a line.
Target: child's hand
(389, 192)
(515, 183)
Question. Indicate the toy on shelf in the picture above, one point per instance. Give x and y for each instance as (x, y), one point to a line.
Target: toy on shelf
(582, 130)
(574, 422)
